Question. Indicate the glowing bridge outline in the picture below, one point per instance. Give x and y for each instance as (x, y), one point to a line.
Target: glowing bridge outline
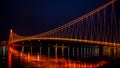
(61, 33)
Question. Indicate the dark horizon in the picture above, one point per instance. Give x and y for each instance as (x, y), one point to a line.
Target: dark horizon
(35, 17)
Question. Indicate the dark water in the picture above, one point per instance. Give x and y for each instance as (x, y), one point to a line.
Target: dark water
(59, 55)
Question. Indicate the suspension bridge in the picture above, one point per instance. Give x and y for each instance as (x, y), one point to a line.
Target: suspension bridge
(96, 27)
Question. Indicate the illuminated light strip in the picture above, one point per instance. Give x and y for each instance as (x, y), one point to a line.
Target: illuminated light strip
(72, 40)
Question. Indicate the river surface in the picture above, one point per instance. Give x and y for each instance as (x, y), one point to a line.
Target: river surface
(59, 56)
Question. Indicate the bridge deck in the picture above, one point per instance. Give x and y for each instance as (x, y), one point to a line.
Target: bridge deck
(71, 40)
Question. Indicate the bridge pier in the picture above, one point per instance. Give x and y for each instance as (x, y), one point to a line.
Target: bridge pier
(22, 51)
(56, 47)
(77, 52)
(40, 51)
(81, 51)
(68, 51)
(22, 48)
(73, 52)
(48, 51)
(31, 50)
(63, 49)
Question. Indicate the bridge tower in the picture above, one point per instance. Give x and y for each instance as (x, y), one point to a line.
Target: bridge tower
(10, 36)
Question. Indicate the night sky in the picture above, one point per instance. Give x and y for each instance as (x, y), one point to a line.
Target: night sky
(31, 17)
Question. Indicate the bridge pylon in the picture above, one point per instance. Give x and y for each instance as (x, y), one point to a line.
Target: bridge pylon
(10, 35)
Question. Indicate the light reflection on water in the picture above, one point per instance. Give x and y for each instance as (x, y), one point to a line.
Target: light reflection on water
(39, 61)
(57, 56)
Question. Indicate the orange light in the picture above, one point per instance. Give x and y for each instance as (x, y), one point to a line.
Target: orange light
(53, 62)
